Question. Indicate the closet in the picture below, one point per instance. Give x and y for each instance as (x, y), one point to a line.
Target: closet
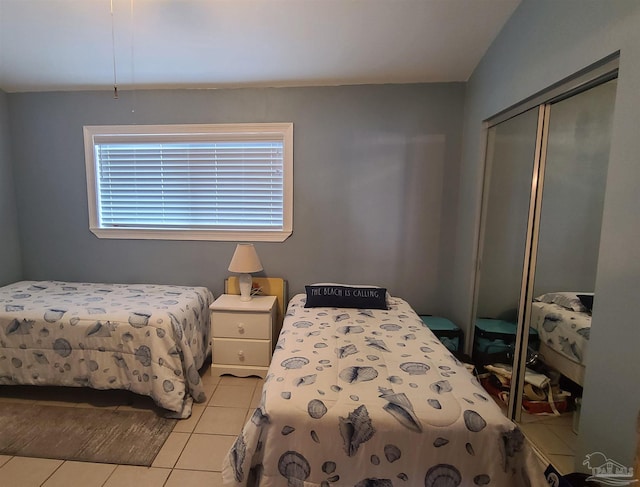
(545, 177)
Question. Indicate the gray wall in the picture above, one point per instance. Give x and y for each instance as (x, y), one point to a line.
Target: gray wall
(374, 178)
(544, 42)
(10, 264)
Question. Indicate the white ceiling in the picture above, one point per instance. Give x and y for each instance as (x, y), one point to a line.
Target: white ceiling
(75, 44)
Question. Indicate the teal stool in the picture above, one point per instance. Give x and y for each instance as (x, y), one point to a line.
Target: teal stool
(447, 332)
(494, 341)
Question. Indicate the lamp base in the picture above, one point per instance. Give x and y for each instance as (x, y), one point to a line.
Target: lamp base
(245, 281)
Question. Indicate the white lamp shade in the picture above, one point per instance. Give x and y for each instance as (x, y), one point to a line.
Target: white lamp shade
(245, 259)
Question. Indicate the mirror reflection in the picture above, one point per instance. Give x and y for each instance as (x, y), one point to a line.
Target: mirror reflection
(575, 176)
(511, 148)
(559, 244)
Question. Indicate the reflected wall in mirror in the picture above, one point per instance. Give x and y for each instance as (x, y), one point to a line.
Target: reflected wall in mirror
(574, 184)
(510, 163)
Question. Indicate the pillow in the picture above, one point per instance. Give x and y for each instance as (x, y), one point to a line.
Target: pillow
(565, 299)
(351, 285)
(345, 296)
(587, 301)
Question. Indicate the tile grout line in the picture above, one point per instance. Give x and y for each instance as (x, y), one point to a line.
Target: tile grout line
(52, 473)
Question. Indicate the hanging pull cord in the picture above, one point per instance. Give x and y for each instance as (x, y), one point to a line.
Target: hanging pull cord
(133, 71)
(113, 52)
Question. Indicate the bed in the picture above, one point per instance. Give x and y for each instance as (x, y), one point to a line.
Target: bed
(563, 322)
(145, 338)
(370, 397)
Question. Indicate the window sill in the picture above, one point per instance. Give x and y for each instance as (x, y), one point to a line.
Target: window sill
(213, 235)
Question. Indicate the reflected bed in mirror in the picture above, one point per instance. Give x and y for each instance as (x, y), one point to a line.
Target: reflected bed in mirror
(564, 325)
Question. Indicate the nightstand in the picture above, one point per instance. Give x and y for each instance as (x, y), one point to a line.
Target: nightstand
(243, 335)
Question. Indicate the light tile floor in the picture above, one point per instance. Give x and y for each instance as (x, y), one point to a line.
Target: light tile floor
(191, 456)
(553, 436)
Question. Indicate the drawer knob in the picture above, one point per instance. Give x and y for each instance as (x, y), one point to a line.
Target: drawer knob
(240, 327)
(241, 355)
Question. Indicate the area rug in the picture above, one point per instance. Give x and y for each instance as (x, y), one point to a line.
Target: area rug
(124, 437)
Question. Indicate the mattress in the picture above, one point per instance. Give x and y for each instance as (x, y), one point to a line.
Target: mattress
(564, 330)
(364, 397)
(149, 339)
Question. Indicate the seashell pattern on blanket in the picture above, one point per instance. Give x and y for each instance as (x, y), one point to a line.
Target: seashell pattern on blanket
(356, 397)
(150, 339)
(564, 330)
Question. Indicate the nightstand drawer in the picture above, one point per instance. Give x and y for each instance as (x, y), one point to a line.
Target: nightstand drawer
(241, 352)
(241, 325)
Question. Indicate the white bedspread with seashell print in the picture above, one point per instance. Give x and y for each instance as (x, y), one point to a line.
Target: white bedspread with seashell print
(372, 398)
(146, 338)
(564, 330)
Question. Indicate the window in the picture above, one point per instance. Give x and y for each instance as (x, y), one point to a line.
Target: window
(191, 182)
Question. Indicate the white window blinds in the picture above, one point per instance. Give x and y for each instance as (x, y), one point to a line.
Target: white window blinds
(186, 185)
(215, 181)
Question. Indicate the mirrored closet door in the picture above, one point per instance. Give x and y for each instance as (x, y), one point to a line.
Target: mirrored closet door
(510, 176)
(545, 179)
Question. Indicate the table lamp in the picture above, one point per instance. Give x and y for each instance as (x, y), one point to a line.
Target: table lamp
(244, 261)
